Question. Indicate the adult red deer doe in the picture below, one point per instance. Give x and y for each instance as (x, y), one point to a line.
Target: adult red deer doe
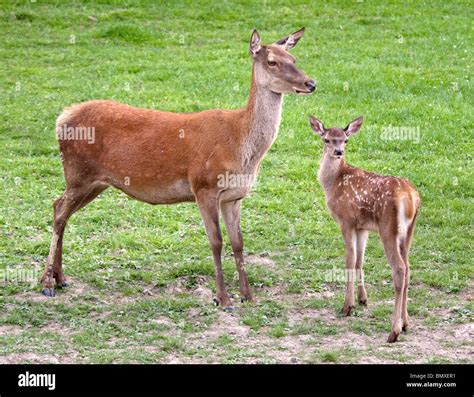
(361, 201)
(165, 158)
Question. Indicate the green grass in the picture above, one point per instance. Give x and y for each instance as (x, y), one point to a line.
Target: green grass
(398, 65)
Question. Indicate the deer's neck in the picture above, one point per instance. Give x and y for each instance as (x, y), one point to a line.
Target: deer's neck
(330, 171)
(264, 114)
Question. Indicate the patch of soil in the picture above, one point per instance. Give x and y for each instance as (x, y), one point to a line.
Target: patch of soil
(32, 358)
(75, 289)
(421, 343)
(163, 321)
(57, 329)
(8, 330)
(186, 284)
(226, 324)
(260, 260)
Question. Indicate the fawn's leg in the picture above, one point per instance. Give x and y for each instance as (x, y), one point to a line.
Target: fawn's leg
(362, 236)
(399, 271)
(405, 246)
(350, 239)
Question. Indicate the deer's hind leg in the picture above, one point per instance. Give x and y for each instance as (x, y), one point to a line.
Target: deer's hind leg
(405, 245)
(399, 272)
(362, 236)
(72, 200)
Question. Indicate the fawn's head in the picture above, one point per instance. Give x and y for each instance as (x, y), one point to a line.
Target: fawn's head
(335, 139)
(275, 67)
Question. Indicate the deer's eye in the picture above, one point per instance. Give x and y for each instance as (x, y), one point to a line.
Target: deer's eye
(326, 140)
(272, 63)
(345, 141)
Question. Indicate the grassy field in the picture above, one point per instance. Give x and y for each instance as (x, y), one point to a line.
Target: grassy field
(142, 276)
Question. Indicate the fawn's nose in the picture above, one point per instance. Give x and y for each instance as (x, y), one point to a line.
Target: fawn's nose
(338, 152)
(310, 85)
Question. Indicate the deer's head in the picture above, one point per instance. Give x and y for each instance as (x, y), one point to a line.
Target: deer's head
(275, 67)
(335, 139)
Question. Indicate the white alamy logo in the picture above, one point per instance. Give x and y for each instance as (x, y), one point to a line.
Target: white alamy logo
(69, 133)
(402, 133)
(229, 180)
(37, 380)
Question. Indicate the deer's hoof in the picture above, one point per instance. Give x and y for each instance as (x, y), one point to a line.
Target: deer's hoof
(48, 292)
(64, 284)
(405, 327)
(363, 302)
(247, 299)
(346, 311)
(393, 337)
(226, 304)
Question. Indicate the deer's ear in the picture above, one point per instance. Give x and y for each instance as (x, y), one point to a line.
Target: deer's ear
(353, 126)
(254, 43)
(290, 41)
(317, 126)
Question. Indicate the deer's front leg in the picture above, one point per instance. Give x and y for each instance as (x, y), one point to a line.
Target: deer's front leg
(208, 206)
(350, 239)
(231, 214)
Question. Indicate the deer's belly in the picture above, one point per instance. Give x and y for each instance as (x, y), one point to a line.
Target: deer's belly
(359, 219)
(367, 224)
(177, 192)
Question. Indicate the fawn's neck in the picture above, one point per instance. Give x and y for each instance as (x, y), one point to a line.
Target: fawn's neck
(330, 170)
(264, 115)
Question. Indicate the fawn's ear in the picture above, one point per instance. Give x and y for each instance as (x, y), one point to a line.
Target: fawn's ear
(317, 126)
(254, 43)
(353, 126)
(290, 41)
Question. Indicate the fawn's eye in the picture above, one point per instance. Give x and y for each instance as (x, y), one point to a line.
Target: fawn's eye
(345, 141)
(326, 140)
(272, 63)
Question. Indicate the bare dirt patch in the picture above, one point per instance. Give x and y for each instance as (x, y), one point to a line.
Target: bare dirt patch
(75, 289)
(227, 324)
(259, 346)
(260, 260)
(8, 330)
(195, 285)
(31, 358)
(421, 344)
(57, 329)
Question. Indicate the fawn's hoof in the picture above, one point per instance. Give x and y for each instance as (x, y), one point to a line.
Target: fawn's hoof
(64, 284)
(48, 292)
(405, 327)
(363, 302)
(393, 337)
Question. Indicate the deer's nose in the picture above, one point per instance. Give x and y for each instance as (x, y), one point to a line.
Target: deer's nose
(338, 152)
(311, 85)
